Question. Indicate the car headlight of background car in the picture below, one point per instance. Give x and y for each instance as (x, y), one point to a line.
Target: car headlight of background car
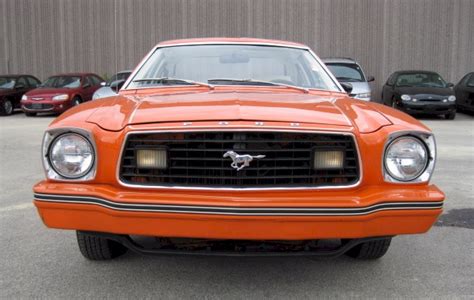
(452, 98)
(362, 96)
(409, 157)
(69, 155)
(24, 98)
(61, 97)
(405, 97)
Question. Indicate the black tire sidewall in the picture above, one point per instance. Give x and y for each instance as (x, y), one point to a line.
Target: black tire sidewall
(76, 101)
(4, 107)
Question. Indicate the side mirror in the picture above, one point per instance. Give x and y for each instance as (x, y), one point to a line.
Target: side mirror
(117, 85)
(103, 83)
(370, 78)
(20, 86)
(346, 86)
(450, 85)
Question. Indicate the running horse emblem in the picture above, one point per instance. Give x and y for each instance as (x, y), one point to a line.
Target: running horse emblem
(241, 161)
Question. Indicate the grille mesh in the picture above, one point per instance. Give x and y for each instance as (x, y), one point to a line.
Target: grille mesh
(38, 106)
(195, 159)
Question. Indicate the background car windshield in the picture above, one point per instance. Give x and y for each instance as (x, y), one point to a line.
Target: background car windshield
(7, 82)
(200, 63)
(347, 72)
(118, 76)
(421, 80)
(63, 82)
(470, 82)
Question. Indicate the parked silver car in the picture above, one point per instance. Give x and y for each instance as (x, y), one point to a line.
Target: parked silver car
(106, 90)
(347, 70)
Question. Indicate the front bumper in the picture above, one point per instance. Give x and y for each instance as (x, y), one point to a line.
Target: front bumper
(434, 108)
(45, 106)
(365, 212)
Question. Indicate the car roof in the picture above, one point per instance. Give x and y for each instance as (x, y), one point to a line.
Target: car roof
(415, 71)
(224, 40)
(73, 74)
(339, 60)
(16, 75)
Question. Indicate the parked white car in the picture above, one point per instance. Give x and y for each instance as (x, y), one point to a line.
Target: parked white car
(106, 90)
(347, 70)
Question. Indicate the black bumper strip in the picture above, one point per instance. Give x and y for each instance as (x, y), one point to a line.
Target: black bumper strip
(241, 211)
(128, 242)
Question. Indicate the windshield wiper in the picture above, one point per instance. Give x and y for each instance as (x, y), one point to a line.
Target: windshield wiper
(258, 82)
(170, 80)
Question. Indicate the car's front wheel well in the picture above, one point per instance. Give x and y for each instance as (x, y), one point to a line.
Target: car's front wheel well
(77, 96)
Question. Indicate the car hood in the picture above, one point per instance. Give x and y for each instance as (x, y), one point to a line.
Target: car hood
(103, 92)
(360, 87)
(331, 108)
(425, 91)
(48, 92)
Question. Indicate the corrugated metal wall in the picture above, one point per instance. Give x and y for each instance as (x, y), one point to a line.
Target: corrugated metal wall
(43, 37)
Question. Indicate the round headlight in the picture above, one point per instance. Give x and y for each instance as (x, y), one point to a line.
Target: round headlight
(406, 158)
(405, 97)
(452, 98)
(71, 155)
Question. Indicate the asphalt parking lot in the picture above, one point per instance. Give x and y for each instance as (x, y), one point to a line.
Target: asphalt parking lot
(38, 262)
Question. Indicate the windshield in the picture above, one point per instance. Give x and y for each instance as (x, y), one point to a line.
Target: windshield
(69, 82)
(347, 72)
(119, 76)
(233, 65)
(421, 80)
(7, 82)
(471, 80)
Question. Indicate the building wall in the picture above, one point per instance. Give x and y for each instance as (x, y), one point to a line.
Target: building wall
(44, 37)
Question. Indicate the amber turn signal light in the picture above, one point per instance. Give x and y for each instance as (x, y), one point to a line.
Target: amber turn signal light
(152, 158)
(327, 160)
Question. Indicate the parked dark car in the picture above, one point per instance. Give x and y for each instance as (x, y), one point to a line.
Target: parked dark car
(464, 92)
(12, 88)
(61, 92)
(420, 92)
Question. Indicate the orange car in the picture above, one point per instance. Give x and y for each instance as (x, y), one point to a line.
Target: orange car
(236, 147)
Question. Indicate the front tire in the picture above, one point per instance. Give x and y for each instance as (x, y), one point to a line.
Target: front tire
(7, 107)
(394, 104)
(370, 250)
(450, 116)
(76, 101)
(98, 248)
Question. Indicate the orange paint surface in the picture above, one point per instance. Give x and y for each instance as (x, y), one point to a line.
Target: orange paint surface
(168, 108)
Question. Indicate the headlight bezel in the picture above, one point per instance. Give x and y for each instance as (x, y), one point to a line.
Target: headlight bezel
(427, 139)
(50, 137)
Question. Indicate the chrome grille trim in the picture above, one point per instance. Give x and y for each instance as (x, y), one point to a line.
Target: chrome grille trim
(220, 188)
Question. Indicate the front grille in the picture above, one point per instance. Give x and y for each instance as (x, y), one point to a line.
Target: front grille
(38, 106)
(430, 100)
(195, 159)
